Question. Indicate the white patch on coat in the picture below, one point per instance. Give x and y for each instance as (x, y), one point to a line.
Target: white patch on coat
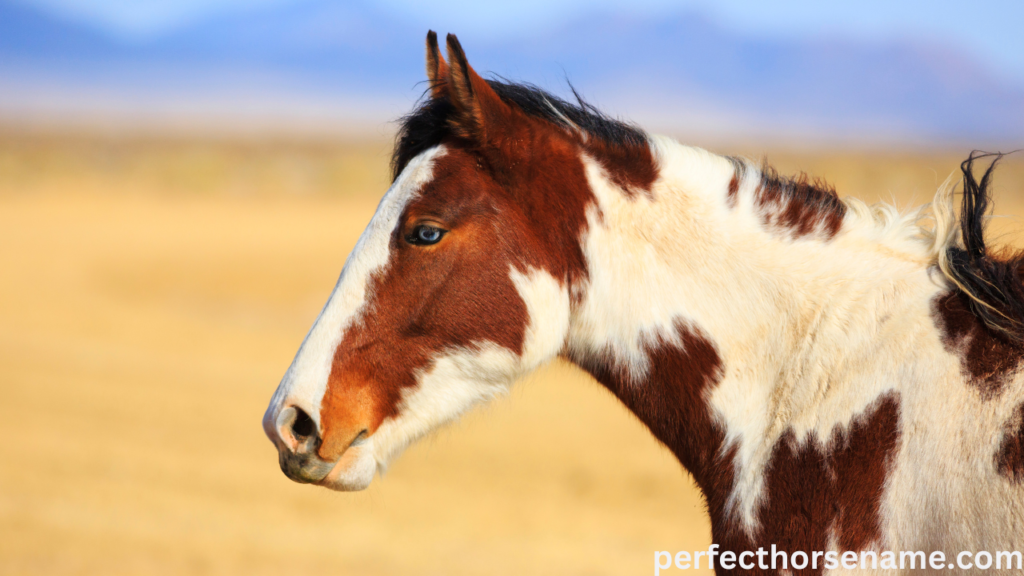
(645, 253)
(810, 333)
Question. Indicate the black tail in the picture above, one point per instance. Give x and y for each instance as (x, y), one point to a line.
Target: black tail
(993, 285)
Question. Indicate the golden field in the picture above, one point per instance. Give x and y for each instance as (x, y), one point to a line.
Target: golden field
(153, 292)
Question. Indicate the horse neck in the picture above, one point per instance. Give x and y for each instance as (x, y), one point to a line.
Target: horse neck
(709, 321)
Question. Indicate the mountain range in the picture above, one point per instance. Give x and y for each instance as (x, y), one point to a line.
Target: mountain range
(327, 63)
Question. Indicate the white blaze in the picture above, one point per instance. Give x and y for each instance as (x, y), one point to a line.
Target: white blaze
(305, 381)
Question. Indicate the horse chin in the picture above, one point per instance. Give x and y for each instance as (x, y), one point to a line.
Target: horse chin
(354, 470)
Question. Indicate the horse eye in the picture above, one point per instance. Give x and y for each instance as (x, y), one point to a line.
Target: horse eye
(425, 235)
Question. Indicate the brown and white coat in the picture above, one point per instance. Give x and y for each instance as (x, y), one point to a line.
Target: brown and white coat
(809, 360)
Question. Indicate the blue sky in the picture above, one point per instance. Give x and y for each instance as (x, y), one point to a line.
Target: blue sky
(991, 30)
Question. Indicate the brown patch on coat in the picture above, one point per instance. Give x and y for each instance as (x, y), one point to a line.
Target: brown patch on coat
(672, 401)
(672, 397)
(815, 490)
(811, 490)
(800, 206)
(987, 358)
(631, 167)
(1010, 457)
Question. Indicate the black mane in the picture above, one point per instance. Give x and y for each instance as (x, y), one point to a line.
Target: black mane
(427, 125)
(993, 284)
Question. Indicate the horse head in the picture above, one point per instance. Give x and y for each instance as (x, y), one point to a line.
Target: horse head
(460, 283)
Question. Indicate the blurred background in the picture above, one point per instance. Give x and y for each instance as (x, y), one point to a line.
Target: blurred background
(181, 181)
(914, 71)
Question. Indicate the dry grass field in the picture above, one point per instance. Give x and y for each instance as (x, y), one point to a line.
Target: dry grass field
(153, 292)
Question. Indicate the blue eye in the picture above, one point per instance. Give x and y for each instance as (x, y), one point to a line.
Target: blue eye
(425, 235)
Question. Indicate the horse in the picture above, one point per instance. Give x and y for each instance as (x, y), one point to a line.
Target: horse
(838, 378)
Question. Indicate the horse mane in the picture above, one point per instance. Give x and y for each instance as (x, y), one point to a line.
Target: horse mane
(427, 125)
(992, 283)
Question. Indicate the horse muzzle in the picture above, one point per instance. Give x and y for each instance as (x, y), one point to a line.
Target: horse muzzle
(299, 446)
(298, 443)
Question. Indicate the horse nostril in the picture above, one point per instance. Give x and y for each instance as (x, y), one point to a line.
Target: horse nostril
(303, 426)
(297, 431)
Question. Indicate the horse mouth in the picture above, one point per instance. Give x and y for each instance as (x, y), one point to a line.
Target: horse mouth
(353, 471)
(305, 470)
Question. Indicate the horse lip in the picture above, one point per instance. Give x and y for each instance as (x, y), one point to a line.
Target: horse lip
(360, 438)
(305, 469)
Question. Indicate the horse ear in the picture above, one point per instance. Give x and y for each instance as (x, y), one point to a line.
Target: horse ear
(437, 68)
(479, 110)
